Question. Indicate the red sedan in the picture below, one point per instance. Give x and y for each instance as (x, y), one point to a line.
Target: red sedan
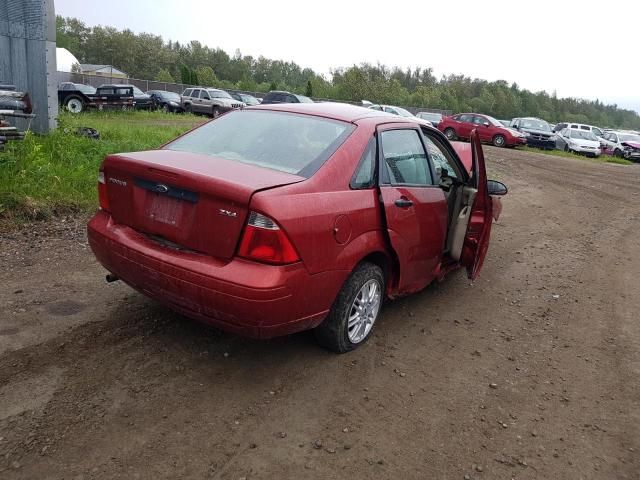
(489, 130)
(281, 218)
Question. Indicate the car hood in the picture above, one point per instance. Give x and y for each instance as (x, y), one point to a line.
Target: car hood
(537, 132)
(635, 145)
(144, 96)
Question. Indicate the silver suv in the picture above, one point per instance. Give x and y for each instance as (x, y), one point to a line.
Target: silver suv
(209, 101)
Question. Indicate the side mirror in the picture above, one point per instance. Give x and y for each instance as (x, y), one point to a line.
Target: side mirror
(516, 127)
(486, 124)
(496, 188)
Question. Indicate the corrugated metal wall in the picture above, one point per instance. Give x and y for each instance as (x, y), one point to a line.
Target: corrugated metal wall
(28, 55)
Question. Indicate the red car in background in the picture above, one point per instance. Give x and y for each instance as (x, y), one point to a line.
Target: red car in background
(489, 130)
(280, 218)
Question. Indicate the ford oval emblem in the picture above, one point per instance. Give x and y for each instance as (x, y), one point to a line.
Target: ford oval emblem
(160, 188)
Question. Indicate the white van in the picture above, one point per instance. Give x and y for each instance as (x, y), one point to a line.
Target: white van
(598, 132)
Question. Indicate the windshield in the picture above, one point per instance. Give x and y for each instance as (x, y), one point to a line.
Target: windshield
(173, 97)
(534, 124)
(85, 88)
(137, 91)
(218, 94)
(404, 113)
(434, 117)
(583, 135)
(287, 142)
(248, 99)
(629, 137)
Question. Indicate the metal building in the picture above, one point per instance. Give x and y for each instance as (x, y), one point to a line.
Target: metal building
(28, 55)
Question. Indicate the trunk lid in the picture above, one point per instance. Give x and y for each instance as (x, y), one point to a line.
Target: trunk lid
(195, 201)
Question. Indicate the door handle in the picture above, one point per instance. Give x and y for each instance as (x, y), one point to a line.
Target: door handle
(403, 203)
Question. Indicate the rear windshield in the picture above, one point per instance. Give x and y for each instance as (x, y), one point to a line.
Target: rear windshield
(291, 143)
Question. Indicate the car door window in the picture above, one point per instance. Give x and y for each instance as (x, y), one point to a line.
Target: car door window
(204, 95)
(614, 138)
(390, 110)
(440, 157)
(187, 92)
(195, 93)
(405, 158)
(479, 120)
(364, 176)
(465, 118)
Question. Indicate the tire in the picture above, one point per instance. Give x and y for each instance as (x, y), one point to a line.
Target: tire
(334, 332)
(166, 108)
(618, 153)
(187, 108)
(566, 149)
(450, 133)
(74, 104)
(215, 113)
(499, 141)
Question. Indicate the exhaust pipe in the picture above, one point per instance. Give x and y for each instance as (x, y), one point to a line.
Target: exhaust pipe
(110, 278)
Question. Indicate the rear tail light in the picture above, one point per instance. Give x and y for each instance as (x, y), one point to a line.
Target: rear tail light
(102, 191)
(264, 241)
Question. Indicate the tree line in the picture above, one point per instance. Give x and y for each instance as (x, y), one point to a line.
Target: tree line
(148, 56)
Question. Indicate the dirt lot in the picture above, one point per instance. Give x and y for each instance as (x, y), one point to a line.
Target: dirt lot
(531, 372)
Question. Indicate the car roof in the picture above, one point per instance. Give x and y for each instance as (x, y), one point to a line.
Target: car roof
(337, 111)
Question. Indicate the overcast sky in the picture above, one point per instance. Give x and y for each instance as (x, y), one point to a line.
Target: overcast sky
(580, 49)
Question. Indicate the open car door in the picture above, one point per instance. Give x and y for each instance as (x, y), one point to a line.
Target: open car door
(476, 239)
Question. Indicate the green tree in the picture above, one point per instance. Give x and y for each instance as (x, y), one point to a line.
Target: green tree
(309, 91)
(164, 76)
(206, 77)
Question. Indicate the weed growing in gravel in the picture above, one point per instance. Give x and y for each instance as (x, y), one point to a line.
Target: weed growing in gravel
(56, 173)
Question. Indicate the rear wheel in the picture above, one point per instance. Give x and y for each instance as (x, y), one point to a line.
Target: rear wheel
(215, 113)
(187, 108)
(74, 104)
(618, 153)
(354, 311)
(450, 133)
(499, 141)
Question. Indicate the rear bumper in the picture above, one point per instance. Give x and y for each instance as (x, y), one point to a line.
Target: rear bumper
(238, 296)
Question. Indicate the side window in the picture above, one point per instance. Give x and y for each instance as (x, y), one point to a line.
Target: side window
(292, 99)
(390, 110)
(364, 175)
(479, 120)
(405, 157)
(440, 157)
(614, 138)
(584, 127)
(574, 126)
(465, 118)
(195, 93)
(187, 92)
(597, 132)
(204, 95)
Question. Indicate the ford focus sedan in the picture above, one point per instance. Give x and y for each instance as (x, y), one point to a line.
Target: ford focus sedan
(276, 219)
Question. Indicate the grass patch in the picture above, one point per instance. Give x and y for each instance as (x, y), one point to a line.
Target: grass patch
(56, 173)
(562, 153)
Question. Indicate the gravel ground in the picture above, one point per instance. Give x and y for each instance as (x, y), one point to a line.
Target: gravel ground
(531, 372)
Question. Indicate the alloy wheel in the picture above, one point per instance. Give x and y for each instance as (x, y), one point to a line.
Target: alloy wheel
(364, 311)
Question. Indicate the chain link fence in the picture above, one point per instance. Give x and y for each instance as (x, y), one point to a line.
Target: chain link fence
(146, 85)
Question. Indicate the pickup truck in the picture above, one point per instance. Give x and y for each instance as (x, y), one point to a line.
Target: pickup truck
(76, 97)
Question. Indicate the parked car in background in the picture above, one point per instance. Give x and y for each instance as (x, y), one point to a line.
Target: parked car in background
(166, 101)
(598, 132)
(245, 98)
(278, 96)
(278, 218)
(208, 101)
(621, 144)
(506, 123)
(402, 112)
(77, 97)
(490, 130)
(578, 141)
(537, 131)
(432, 117)
(141, 101)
